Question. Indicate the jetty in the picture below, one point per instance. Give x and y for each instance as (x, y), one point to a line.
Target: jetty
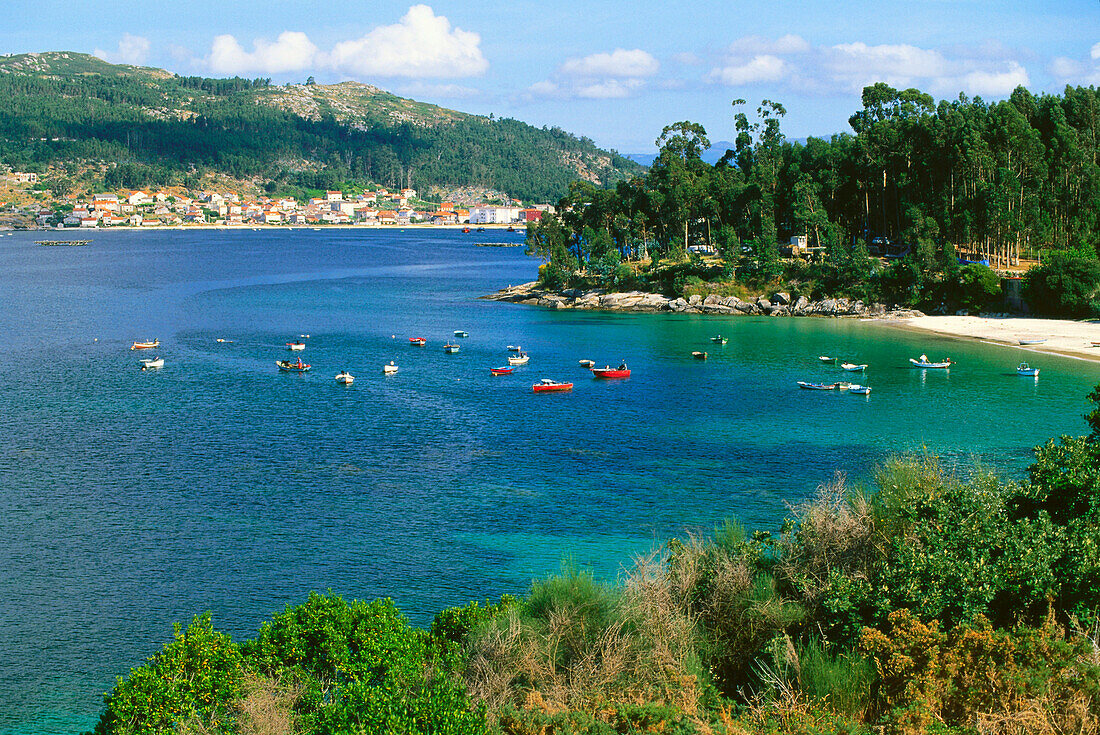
(58, 243)
(499, 244)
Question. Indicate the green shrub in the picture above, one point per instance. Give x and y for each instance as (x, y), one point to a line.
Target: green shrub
(1064, 285)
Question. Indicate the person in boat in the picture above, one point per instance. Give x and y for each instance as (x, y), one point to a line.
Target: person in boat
(299, 363)
(622, 366)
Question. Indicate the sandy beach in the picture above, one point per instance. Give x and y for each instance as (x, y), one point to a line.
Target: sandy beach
(1063, 337)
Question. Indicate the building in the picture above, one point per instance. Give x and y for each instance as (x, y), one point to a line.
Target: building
(485, 215)
(334, 196)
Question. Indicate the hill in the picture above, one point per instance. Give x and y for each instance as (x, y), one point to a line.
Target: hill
(160, 129)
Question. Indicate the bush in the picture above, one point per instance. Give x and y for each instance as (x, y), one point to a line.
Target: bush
(1065, 285)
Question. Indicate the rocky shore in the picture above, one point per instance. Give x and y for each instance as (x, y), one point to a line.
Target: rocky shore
(779, 304)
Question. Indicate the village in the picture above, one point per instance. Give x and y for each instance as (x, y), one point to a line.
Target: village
(149, 209)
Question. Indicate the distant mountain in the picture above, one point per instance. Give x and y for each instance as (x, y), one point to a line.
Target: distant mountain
(159, 128)
(712, 155)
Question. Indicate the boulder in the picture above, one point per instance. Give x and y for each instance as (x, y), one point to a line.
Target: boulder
(695, 299)
(782, 298)
(800, 305)
(763, 303)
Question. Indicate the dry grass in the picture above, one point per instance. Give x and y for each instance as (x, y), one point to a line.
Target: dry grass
(267, 707)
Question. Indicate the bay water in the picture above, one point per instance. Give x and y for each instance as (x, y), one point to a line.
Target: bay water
(132, 500)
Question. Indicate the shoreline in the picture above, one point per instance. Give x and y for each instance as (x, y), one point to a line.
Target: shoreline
(251, 228)
(1064, 338)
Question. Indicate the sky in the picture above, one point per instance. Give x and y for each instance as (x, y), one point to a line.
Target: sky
(616, 72)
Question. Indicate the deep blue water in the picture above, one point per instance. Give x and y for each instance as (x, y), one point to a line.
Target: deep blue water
(134, 500)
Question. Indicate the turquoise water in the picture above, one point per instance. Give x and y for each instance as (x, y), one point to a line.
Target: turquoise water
(133, 500)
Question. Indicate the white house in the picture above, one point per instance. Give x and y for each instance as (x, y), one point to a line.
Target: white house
(334, 196)
(485, 215)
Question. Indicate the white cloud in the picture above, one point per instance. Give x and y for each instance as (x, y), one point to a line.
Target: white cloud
(292, 51)
(764, 68)
(994, 83)
(756, 45)
(422, 44)
(544, 89)
(618, 64)
(132, 50)
(608, 89)
(1095, 51)
(855, 65)
(1078, 71)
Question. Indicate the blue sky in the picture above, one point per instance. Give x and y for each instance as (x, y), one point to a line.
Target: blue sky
(615, 72)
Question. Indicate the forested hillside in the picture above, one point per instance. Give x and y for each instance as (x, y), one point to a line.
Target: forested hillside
(163, 129)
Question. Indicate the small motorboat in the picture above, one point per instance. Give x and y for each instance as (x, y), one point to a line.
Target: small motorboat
(852, 367)
(145, 345)
(465, 229)
(520, 359)
(826, 358)
(450, 349)
(609, 372)
(293, 367)
(227, 341)
(924, 362)
(502, 370)
(417, 341)
(859, 389)
(460, 333)
(1033, 341)
(1026, 370)
(345, 377)
(155, 363)
(546, 385)
(699, 355)
(296, 346)
(389, 369)
(817, 386)
(515, 348)
(587, 363)
(719, 340)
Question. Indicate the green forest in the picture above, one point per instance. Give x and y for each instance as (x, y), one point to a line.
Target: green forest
(934, 601)
(944, 191)
(159, 129)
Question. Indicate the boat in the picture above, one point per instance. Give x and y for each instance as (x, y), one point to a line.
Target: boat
(546, 385)
(1033, 341)
(699, 355)
(466, 229)
(450, 349)
(719, 339)
(502, 370)
(293, 367)
(817, 386)
(417, 341)
(852, 367)
(515, 348)
(1026, 370)
(389, 369)
(609, 372)
(296, 346)
(145, 345)
(859, 389)
(156, 362)
(924, 362)
(226, 341)
(520, 359)
(461, 333)
(587, 363)
(826, 358)
(345, 377)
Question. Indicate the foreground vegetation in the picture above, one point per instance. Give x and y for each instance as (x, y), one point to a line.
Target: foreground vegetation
(928, 184)
(936, 603)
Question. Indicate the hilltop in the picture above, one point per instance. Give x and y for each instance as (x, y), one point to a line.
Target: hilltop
(155, 128)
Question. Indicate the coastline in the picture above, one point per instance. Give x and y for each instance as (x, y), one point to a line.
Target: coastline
(249, 228)
(1063, 337)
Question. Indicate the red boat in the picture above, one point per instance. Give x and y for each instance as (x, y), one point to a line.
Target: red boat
(609, 372)
(551, 386)
(465, 229)
(502, 370)
(418, 341)
(145, 345)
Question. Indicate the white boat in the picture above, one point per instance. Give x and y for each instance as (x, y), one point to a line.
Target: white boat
(1033, 341)
(826, 358)
(450, 349)
(852, 367)
(296, 346)
(817, 386)
(389, 369)
(1026, 370)
(860, 389)
(587, 363)
(924, 362)
(345, 377)
(515, 348)
(157, 362)
(461, 333)
(520, 359)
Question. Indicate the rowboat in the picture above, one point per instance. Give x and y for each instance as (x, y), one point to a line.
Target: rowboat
(345, 377)
(417, 341)
(609, 372)
(502, 370)
(460, 333)
(296, 346)
(292, 367)
(1026, 370)
(860, 389)
(520, 359)
(587, 363)
(389, 369)
(852, 367)
(699, 355)
(450, 349)
(719, 339)
(817, 386)
(145, 345)
(156, 362)
(1033, 341)
(515, 348)
(826, 358)
(924, 362)
(546, 385)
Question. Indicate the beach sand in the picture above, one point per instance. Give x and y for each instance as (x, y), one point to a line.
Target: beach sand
(1063, 337)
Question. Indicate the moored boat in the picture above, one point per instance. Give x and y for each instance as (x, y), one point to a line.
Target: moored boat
(1033, 341)
(417, 341)
(145, 345)
(587, 363)
(153, 364)
(609, 372)
(1026, 370)
(293, 367)
(826, 358)
(719, 339)
(461, 333)
(520, 359)
(502, 370)
(924, 362)
(389, 369)
(345, 377)
(515, 348)
(817, 386)
(852, 367)
(296, 346)
(699, 355)
(546, 385)
(859, 389)
(450, 349)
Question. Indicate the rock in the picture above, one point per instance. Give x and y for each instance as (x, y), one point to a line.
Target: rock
(782, 298)
(801, 304)
(678, 305)
(777, 310)
(695, 299)
(732, 301)
(763, 303)
(717, 309)
(962, 312)
(712, 299)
